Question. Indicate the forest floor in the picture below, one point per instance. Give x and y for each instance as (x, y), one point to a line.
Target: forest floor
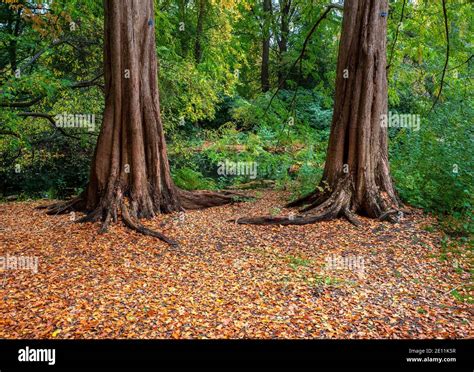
(229, 281)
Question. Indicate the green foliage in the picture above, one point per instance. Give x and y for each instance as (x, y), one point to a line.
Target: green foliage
(214, 111)
(189, 179)
(296, 262)
(292, 155)
(431, 166)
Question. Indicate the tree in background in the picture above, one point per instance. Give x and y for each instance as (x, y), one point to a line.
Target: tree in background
(265, 68)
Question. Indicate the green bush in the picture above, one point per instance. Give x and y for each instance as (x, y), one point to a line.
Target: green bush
(433, 167)
(189, 179)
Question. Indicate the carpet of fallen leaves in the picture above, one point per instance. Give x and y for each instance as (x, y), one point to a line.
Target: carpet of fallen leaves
(227, 280)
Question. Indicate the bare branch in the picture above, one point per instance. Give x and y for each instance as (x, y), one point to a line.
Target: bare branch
(21, 103)
(303, 50)
(396, 35)
(51, 121)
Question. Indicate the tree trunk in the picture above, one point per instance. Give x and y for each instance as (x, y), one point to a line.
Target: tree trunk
(130, 174)
(199, 30)
(265, 74)
(183, 35)
(130, 157)
(356, 177)
(13, 26)
(285, 9)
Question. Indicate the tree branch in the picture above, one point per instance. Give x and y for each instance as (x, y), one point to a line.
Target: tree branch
(396, 35)
(88, 83)
(9, 133)
(461, 64)
(303, 50)
(79, 84)
(41, 52)
(445, 14)
(51, 121)
(21, 103)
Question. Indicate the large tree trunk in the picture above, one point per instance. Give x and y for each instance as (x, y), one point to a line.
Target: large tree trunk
(130, 174)
(356, 177)
(131, 154)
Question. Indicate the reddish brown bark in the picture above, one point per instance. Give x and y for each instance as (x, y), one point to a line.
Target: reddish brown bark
(356, 177)
(130, 174)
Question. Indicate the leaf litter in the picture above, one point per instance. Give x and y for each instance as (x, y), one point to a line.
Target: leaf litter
(230, 281)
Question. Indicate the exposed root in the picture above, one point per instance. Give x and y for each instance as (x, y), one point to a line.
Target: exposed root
(63, 207)
(307, 199)
(114, 203)
(137, 226)
(285, 221)
(106, 212)
(94, 216)
(106, 223)
(325, 211)
(351, 217)
(392, 215)
(207, 199)
(321, 206)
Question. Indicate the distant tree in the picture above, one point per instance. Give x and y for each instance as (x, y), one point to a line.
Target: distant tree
(265, 73)
(202, 7)
(286, 12)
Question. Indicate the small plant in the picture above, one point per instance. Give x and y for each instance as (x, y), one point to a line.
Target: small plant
(321, 280)
(275, 211)
(296, 262)
(190, 179)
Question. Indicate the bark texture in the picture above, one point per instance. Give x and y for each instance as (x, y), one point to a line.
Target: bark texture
(130, 174)
(356, 177)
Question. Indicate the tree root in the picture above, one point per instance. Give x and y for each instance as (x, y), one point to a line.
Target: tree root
(323, 206)
(392, 215)
(138, 227)
(206, 199)
(307, 199)
(62, 207)
(284, 221)
(111, 205)
(351, 217)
